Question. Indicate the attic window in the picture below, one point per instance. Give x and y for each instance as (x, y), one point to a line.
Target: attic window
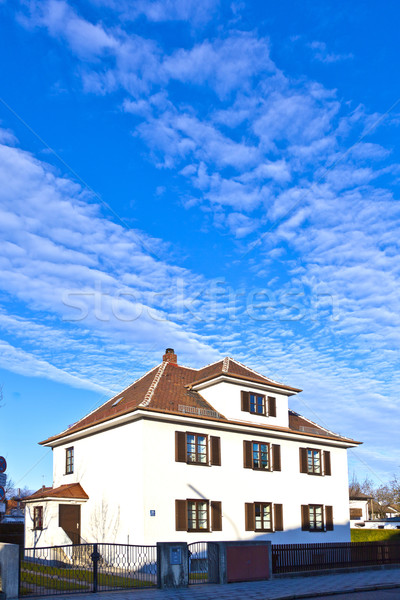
(258, 404)
(117, 401)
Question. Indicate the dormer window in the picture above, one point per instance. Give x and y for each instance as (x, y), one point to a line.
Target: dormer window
(258, 404)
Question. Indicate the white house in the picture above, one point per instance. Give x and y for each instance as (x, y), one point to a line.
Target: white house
(360, 508)
(194, 454)
(367, 512)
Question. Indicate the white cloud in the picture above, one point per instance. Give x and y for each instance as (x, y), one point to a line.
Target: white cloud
(61, 20)
(254, 149)
(22, 362)
(225, 65)
(321, 53)
(109, 285)
(194, 12)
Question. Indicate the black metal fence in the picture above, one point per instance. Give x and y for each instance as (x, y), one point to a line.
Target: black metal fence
(203, 562)
(87, 568)
(291, 558)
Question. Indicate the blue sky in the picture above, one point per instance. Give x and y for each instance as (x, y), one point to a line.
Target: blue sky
(218, 177)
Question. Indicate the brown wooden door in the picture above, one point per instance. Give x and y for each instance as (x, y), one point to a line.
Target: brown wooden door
(70, 521)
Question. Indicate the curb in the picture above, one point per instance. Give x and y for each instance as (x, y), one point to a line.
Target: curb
(367, 588)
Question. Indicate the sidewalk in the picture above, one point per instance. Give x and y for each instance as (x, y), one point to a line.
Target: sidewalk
(276, 589)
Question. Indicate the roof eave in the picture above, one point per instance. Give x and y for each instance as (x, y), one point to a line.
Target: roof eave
(267, 382)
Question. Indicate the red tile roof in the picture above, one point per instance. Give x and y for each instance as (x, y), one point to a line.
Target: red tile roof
(169, 388)
(233, 368)
(72, 490)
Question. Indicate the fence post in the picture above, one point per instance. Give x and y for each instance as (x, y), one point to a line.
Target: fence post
(95, 556)
(9, 570)
(172, 564)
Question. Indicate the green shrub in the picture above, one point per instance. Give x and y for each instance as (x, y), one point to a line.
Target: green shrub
(375, 535)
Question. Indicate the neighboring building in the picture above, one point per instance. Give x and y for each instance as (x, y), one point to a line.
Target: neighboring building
(14, 512)
(361, 508)
(367, 512)
(194, 454)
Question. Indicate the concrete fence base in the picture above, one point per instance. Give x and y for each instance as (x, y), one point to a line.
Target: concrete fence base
(237, 561)
(9, 571)
(172, 564)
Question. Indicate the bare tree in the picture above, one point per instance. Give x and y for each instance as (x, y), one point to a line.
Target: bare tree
(30, 523)
(366, 487)
(395, 487)
(104, 523)
(385, 498)
(14, 493)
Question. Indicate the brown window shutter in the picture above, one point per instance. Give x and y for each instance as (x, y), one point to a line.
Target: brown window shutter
(245, 401)
(247, 457)
(303, 460)
(250, 524)
(215, 443)
(180, 446)
(276, 457)
(180, 515)
(329, 518)
(278, 517)
(327, 462)
(216, 516)
(305, 517)
(271, 406)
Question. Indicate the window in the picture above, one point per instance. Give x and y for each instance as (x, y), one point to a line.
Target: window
(261, 456)
(315, 462)
(38, 517)
(197, 448)
(312, 517)
(197, 515)
(117, 401)
(263, 516)
(258, 404)
(316, 517)
(356, 513)
(69, 460)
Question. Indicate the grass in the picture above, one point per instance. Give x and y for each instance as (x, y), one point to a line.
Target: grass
(52, 578)
(198, 576)
(375, 535)
(50, 584)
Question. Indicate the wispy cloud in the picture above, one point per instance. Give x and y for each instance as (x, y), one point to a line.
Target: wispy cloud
(255, 151)
(322, 54)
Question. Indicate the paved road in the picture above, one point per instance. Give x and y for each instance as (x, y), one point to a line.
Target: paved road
(287, 588)
(374, 595)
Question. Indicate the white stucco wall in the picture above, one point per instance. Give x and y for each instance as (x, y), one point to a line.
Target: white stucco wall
(360, 504)
(51, 534)
(110, 468)
(226, 399)
(233, 486)
(129, 470)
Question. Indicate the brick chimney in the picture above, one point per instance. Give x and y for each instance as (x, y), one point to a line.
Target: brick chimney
(170, 356)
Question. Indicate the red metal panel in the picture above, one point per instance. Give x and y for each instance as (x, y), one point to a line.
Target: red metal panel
(247, 563)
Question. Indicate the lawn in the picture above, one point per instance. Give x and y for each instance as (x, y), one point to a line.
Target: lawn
(375, 535)
(39, 575)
